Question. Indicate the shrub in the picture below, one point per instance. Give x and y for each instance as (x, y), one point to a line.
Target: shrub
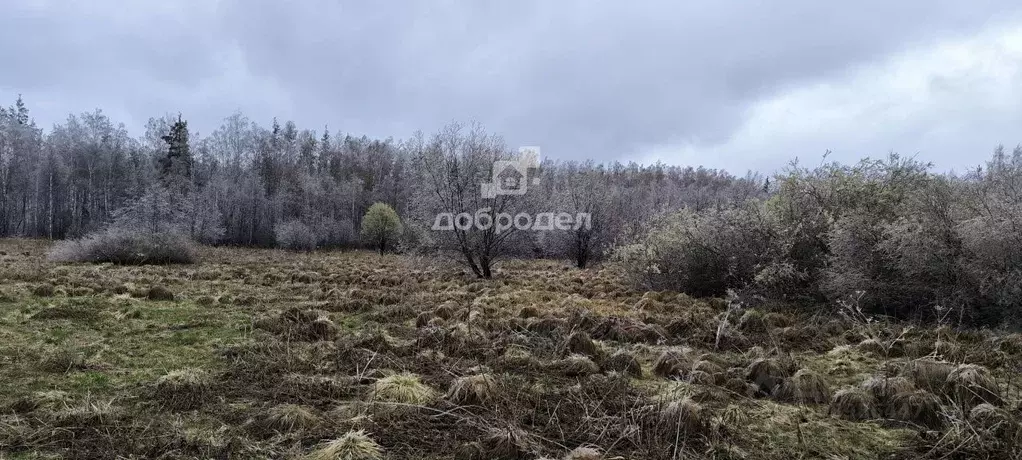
(381, 226)
(934, 245)
(701, 254)
(335, 233)
(295, 235)
(121, 245)
(415, 239)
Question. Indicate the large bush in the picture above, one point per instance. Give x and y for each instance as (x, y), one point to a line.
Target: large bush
(296, 236)
(898, 239)
(381, 226)
(129, 246)
(704, 253)
(908, 243)
(335, 233)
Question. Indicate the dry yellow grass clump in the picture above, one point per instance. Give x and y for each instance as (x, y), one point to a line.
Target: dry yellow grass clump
(685, 417)
(584, 453)
(575, 366)
(853, 404)
(290, 417)
(883, 388)
(183, 389)
(480, 389)
(805, 387)
(971, 384)
(354, 445)
(403, 388)
(624, 362)
(929, 374)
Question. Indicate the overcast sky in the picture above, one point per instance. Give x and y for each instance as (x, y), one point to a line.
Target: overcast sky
(736, 84)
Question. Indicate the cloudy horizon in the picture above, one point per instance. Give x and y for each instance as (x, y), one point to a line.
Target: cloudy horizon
(733, 85)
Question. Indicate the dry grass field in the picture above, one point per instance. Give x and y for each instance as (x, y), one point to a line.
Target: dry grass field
(353, 355)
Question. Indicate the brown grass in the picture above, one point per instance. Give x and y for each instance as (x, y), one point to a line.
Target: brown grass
(971, 384)
(302, 355)
(853, 404)
(474, 390)
(354, 445)
(884, 388)
(766, 374)
(928, 374)
(183, 389)
(918, 407)
(403, 388)
(805, 387)
(625, 362)
(672, 364)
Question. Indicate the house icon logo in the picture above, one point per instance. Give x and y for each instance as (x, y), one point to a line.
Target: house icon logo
(511, 177)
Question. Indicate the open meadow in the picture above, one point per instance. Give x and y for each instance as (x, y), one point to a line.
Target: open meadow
(352, 355)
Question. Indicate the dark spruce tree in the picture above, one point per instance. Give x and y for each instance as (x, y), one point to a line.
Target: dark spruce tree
(178, 161)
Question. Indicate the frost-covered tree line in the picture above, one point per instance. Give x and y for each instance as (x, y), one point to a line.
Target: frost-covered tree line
(887, 236)
(250, 184)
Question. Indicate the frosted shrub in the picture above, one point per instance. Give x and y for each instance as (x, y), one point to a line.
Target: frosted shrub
(703, 253)
(295, 235)
(126, 245)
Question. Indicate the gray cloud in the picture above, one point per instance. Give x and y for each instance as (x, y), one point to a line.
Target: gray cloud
(580, 79)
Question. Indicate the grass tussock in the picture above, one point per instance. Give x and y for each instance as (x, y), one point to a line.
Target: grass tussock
(917, 407)
(286, 418)
(686, 418)
(672, 364)
(805, 387)
(473, 390)
(624, 362)
(883, 388)
(853, 404)
(183, 389)
(928, 374)
(972, 384)
(766, 374)
(354, 445)
(575, 366)
(405, 388)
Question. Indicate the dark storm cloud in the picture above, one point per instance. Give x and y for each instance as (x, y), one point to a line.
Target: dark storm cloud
(580, 79)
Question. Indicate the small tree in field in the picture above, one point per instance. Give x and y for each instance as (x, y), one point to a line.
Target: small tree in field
(381, 225)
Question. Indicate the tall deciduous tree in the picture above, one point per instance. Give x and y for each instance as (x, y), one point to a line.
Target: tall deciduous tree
(455, 165)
